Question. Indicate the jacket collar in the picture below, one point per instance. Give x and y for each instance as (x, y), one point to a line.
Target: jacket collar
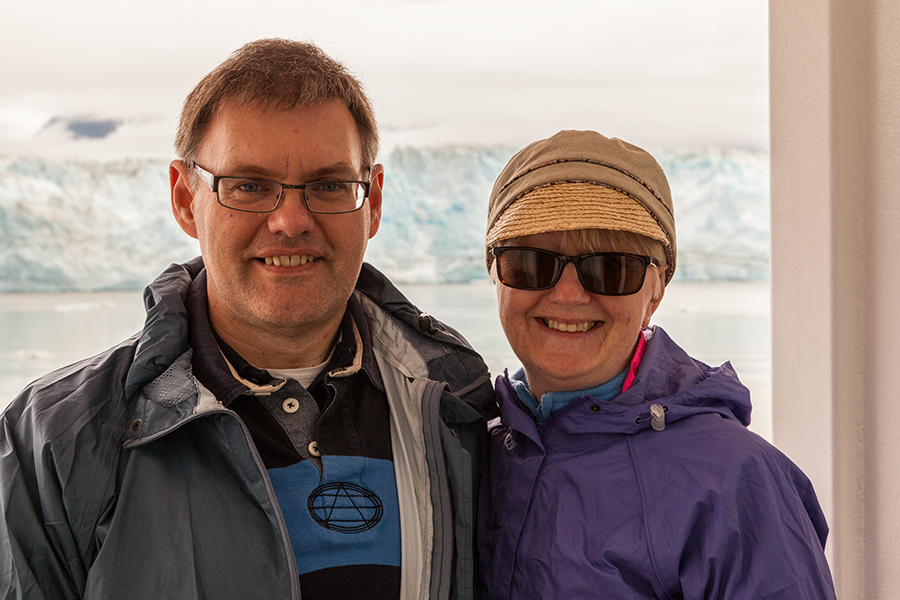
(163, 345)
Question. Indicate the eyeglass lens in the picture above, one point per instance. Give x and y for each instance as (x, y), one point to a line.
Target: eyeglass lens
(263, 195)
(609, 274)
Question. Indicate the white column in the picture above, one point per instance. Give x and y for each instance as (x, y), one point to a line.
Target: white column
(835, 144)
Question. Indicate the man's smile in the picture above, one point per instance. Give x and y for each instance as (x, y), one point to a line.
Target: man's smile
(293, 260)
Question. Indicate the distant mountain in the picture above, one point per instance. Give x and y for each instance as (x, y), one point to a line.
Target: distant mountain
(85, 128)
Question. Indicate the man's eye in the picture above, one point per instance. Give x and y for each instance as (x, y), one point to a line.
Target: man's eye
(330, 187)
(249, 187)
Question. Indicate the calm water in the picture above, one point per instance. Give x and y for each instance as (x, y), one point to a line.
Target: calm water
(713, 322)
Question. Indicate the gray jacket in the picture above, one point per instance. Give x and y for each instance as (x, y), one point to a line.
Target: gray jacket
(117, 482)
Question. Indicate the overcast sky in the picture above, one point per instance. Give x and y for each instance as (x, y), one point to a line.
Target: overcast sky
(657, 73)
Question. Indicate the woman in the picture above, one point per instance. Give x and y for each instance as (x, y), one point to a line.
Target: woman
(621, 467)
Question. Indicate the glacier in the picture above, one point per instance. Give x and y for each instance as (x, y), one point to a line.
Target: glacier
(79, 225)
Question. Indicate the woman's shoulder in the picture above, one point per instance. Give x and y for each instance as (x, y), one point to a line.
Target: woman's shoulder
(714, 443)
(714, 473)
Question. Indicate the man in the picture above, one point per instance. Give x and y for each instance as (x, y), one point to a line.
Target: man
(286, 422)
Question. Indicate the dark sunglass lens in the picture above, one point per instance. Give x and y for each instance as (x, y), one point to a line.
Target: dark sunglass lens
(526, 269)
(612, 274)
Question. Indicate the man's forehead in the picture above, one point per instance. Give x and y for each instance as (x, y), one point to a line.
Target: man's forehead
(312, 138)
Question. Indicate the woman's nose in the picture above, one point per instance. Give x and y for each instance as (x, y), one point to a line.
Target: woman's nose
(569, 289)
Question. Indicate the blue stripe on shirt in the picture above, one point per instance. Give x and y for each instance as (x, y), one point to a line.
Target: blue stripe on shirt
(349, 516)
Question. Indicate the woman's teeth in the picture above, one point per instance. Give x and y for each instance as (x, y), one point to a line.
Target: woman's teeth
(289, 261)
(569, 327)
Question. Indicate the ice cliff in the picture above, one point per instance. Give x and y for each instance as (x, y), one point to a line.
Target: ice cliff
(78, 225)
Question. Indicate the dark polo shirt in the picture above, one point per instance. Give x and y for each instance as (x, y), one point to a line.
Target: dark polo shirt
(327, 449)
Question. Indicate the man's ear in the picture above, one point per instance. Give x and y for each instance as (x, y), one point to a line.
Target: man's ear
(377, 180)
(182, 197)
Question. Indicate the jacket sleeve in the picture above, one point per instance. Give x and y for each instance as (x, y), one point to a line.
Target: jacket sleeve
(756, 532)
(38, 552)
(60, 450)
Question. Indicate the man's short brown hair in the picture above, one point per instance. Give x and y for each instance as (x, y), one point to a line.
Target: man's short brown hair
(275, 74)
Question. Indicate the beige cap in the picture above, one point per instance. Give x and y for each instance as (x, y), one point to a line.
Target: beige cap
(581, 180)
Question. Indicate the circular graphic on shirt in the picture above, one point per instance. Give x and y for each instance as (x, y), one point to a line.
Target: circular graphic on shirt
(345, 507)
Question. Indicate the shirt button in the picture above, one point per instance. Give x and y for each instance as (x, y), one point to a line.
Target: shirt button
(290, 405)
(314, 449)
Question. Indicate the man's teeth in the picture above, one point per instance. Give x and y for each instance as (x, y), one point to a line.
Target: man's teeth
(289, 261)
(570, 327)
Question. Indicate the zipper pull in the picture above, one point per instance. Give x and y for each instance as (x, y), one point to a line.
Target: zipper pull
(657, 417)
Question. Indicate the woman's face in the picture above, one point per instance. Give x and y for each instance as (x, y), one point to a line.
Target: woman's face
(606, 332)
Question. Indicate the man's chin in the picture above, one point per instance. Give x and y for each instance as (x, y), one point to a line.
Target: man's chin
(279, 307)
(279, 321)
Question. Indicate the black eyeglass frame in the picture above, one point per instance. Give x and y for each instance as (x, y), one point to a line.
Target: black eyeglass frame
(212, 181)
(561, 260)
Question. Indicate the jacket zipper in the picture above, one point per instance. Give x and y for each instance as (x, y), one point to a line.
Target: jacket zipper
(443, 516)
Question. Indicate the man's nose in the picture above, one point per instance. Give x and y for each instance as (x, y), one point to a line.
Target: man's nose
(291, 217)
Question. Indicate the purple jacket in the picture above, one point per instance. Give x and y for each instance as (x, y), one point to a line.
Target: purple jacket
(596, 503)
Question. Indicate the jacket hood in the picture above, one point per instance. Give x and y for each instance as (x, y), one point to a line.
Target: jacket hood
(667, 376)
(164, 337)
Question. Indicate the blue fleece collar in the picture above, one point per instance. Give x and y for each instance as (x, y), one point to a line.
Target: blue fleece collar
(554, 401)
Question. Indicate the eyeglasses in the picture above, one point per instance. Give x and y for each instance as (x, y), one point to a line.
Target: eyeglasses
(605, 273)
(262, 195)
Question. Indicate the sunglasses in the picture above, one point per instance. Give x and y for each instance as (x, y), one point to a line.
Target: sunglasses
(604, 273)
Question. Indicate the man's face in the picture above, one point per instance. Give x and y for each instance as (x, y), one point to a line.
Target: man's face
(247, 295)
(605, 328)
